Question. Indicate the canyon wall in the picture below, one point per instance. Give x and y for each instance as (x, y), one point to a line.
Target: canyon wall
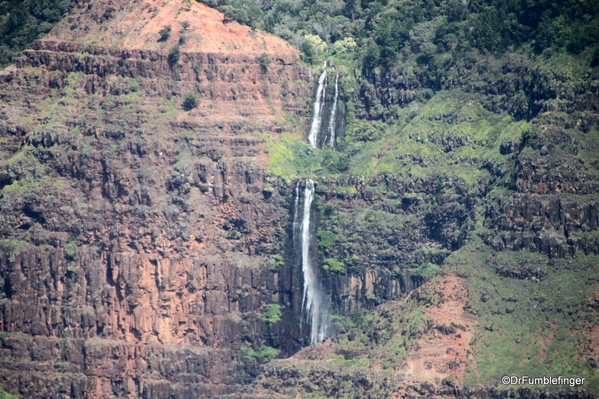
(137, 236)
(143, 244)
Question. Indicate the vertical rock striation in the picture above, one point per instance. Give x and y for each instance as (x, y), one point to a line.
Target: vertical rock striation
(135, 236)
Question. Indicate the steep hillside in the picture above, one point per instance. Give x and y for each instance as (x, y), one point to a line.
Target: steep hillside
(490, 185)
(136, 234)
(500, 208)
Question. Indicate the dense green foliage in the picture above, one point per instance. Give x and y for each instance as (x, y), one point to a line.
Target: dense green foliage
(23, 21)
(438, 33)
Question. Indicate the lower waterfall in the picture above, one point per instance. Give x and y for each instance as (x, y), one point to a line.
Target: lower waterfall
(314, 303)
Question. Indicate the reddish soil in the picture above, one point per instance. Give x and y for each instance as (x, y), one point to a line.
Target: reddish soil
(135, 25)
(443, 355)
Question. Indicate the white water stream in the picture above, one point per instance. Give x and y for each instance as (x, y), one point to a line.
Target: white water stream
(314, 301)
(318, 107)
(333, 113)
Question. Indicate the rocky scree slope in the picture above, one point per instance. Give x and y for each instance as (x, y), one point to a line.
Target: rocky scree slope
(136, 235)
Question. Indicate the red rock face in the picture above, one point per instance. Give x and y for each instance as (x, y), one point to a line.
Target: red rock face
(136, 236)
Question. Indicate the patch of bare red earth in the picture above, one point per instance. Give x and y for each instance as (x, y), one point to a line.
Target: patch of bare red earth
(441, 355)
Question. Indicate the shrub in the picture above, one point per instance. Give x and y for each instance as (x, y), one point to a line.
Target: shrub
(61, 367)
(173, 55)
(185, 24)
(426, 270)
(327, 239)
(165, 33)
(262, 354)
(273, 313)
(264, 60)
(334, 266)
(69, 252)
(190, 101)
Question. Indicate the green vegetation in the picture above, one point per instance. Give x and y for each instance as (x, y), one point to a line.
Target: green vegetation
(326, 239)
(432, 36)
(272, 313)
(61, 367)
(334, 266)
(264, 60)
(185, 25)
(165, 33)
(69, 252)
(290, 156)
(6, 395)
(452, 100)
(527, 325)
(13, 247)
(190, 101)
(276, 261)
(426, 270)
(449, 106)
(364, 358)
(173, 55)
(261, 354)
(22, 22)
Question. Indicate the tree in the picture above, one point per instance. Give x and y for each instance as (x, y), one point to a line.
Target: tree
(190, 101)
(184, 24)
(173, 55)
(308, 52)
(264, 60)
(165, 33)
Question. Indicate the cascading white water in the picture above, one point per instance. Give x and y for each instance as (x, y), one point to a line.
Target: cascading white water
(314, 301)
(333, 113)
(318, 107)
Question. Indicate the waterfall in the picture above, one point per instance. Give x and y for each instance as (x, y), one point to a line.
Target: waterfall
(314, 301)
(295, 211)
(319, 117)
(318, 107)
(333, 113)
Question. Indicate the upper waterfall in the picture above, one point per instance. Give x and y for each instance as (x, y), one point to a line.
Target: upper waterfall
(324, 126)
(334, 113)
(318, 108)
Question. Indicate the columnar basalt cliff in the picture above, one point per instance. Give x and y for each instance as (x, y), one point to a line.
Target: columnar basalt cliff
(136, 236)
